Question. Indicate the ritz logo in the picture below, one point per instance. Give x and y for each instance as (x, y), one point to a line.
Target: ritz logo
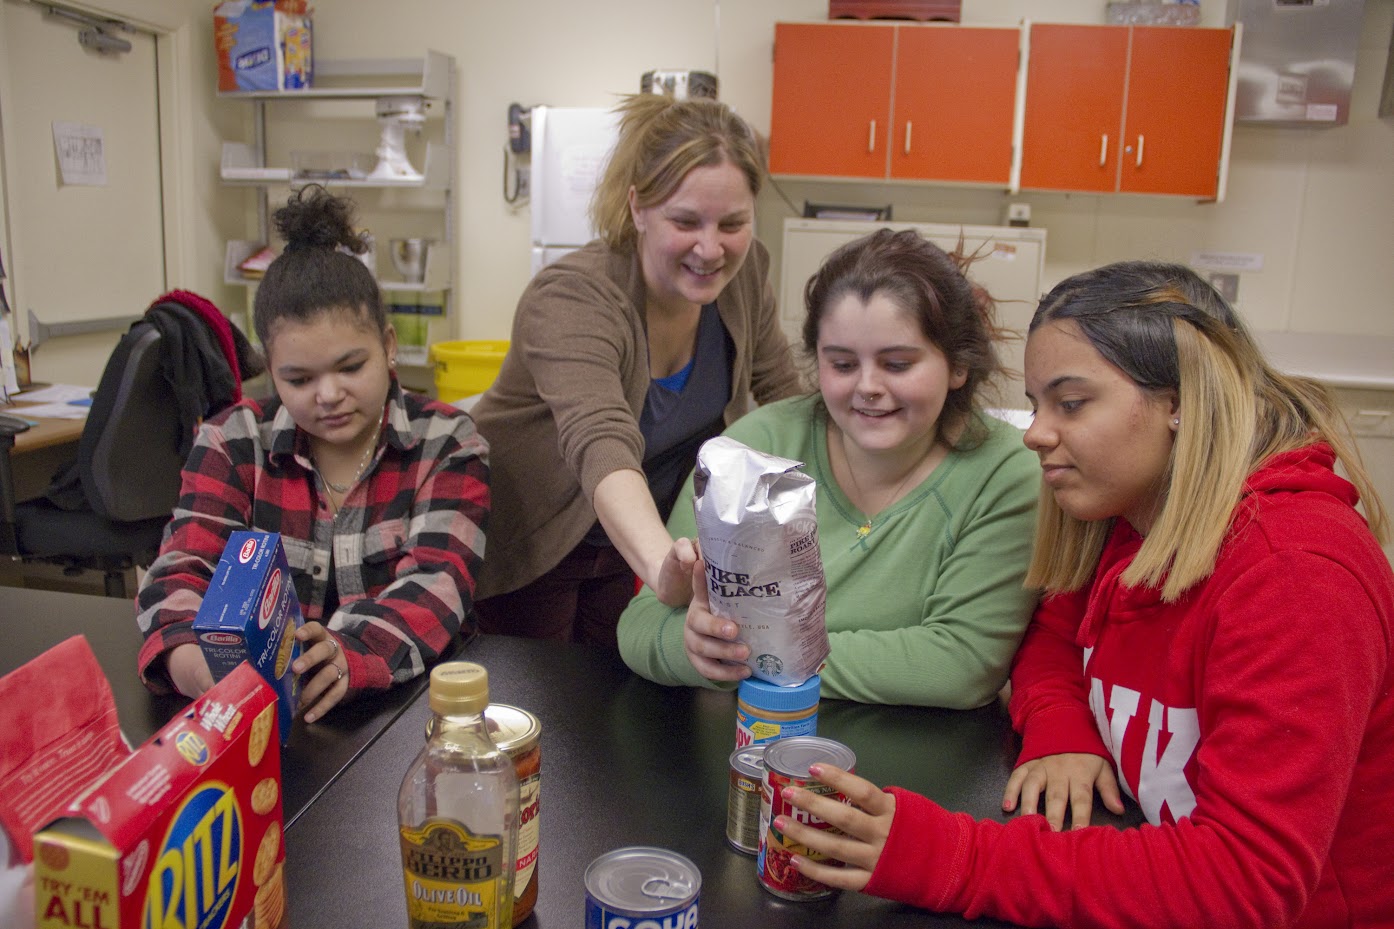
(192, 747)
(195, 877)
(249, 548)
(268, 599)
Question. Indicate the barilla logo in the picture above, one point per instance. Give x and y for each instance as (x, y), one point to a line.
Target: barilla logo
(195, 877)
(249, 548)
(683, 919)
(268, 599)
(222, 638)
(255, 58)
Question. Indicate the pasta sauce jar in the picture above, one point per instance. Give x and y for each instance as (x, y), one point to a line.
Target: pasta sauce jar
(786, 763)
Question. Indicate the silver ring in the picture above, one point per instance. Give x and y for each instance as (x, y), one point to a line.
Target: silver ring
(340, 672)
(334, 643)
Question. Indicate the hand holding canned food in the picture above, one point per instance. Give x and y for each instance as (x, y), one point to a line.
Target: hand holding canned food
(711, 641)
(864, 822)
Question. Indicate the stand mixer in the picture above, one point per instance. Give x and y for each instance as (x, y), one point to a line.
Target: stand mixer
(396, 115)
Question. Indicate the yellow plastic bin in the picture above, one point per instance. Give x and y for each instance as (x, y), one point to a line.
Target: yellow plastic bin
(466, 368)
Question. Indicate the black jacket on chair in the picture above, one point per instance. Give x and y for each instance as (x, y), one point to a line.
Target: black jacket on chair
(108, 509)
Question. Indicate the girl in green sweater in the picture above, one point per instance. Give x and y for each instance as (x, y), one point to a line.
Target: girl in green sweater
(926, 506)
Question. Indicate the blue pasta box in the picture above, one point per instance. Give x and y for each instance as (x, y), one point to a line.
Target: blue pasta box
(263, 45)
(250, 613)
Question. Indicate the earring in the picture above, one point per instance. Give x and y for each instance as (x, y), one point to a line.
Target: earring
(392, 362)
(1176, 421)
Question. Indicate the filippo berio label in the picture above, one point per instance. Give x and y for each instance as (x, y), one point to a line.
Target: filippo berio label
(453, 876)
(757, 524)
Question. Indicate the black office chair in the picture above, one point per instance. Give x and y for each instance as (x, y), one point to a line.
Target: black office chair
(125, 481)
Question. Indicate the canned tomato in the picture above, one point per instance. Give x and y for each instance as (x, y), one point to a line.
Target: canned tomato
(743, 798)
(642, 886)
(786, 763)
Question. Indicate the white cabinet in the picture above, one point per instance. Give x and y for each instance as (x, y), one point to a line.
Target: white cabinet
(329, 134)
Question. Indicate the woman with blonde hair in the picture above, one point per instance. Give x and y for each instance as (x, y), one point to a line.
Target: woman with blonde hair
(1215, 642)
(626, 355)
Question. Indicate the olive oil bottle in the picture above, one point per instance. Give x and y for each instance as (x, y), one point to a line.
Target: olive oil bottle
(457, 812)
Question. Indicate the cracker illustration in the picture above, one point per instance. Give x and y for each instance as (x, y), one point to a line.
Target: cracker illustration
(264, 796)
(267, 852)
(260, 736)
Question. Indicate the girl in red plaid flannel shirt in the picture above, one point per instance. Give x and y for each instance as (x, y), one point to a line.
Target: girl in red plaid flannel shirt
(380, 496)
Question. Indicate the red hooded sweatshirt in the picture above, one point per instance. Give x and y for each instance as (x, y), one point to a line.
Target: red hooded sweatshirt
(1252, 721)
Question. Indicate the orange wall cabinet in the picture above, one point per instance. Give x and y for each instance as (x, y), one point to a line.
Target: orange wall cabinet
(832, 99)
(955, 92)
(1131, 109)
(909, 101)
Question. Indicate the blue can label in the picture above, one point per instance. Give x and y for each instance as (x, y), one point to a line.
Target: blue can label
(598, 917)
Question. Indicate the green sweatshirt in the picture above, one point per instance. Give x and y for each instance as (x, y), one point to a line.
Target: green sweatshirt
(927, 609)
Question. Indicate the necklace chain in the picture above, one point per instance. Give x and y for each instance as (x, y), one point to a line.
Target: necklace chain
(362, 464)
(865, 528)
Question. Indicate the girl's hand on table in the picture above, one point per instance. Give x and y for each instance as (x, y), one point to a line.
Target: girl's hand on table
(323, 668)
(188, 670)
(710, 640)
(865, 821)
(1068, 779)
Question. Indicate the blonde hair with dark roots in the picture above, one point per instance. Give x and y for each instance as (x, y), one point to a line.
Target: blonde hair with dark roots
(660, 141)
(1168, 330)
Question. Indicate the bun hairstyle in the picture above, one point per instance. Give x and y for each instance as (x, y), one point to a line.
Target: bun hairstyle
(1169, 330)
(930, 285)
(660, 141)
(317, 272)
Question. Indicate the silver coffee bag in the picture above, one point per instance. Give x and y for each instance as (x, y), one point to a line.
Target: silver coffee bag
(757, 525)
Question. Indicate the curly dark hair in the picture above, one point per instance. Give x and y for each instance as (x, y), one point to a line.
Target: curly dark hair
(317, 272)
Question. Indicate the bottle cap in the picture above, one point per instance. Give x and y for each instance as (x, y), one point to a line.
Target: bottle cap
(459, 688)
(767, 696)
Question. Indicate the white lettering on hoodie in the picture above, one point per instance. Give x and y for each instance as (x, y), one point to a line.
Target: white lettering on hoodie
(1160, 778)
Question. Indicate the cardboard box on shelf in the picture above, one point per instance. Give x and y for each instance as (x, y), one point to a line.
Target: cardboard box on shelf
(263, 45)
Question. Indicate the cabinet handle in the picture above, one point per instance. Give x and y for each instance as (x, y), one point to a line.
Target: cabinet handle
(1103, 150)
(909, 127)
(871, 137)
(1139, 150)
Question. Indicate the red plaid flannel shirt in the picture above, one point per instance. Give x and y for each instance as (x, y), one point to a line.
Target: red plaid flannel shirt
(406, 544)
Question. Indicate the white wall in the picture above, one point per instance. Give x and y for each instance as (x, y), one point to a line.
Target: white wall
(1316, 204)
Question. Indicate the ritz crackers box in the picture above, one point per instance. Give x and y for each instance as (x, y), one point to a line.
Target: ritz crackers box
(250, 613)
(184, 833)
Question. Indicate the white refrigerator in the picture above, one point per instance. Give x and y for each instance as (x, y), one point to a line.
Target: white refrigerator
(570, 146)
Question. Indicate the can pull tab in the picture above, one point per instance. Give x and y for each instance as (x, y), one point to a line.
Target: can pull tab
(661, 888)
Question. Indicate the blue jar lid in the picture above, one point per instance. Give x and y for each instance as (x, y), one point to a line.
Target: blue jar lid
(766, 696)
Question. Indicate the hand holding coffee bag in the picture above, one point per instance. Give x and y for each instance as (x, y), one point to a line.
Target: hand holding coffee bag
(757, 525)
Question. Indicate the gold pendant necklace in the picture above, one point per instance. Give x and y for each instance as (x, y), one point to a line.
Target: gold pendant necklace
(865, 528)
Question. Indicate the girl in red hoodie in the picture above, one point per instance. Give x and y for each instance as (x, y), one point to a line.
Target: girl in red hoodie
(1215, 643)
